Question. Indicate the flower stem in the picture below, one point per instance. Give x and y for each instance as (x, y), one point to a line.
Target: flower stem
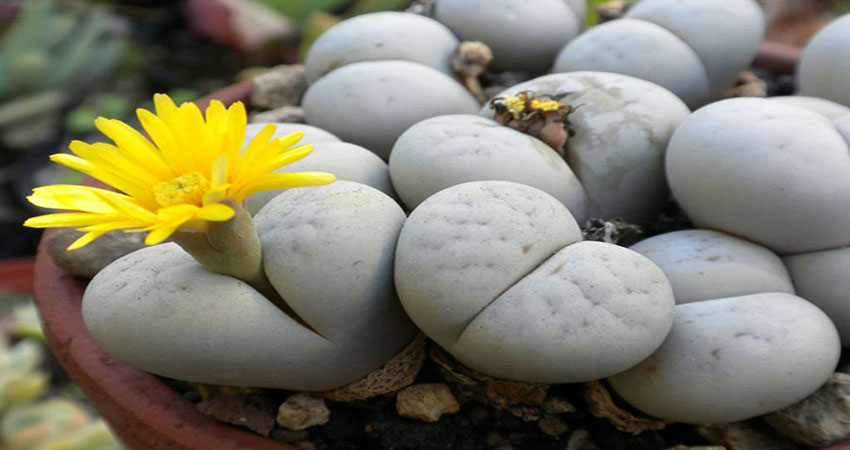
(232, 248)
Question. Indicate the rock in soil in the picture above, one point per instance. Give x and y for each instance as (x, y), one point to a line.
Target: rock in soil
(580, 440)
(301, 411)
(553, 425)
(255, 412)
(426, 402)
(821, 419)
(89, 260)
(747, 435)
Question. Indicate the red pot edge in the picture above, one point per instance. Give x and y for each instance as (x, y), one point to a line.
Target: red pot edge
(143, 411)
(777, 57)
(16, 274)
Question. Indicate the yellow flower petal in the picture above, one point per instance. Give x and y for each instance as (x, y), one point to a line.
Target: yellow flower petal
(61, 220)
(177, 177)
(285, 181)
(85, 239)
(215, 213)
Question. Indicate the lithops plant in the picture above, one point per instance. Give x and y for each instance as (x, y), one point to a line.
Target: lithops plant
(496, 273)
(447, 150)
(825, 64)
(522, 35)
(347, 161)
(735, 358)
(328, 252)
(311, 135)
(694, 48)
(706, 264)
(621, 126)
(742, 345)
(772, 173)
(821, 278)
(371, 103)
(827, 108)
(382, 36)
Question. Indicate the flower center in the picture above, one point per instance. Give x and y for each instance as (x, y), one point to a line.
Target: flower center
(188, 188)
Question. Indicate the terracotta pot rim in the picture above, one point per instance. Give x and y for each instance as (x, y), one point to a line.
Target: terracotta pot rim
(16, 274)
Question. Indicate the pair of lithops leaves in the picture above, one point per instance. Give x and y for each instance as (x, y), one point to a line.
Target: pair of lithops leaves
(774, 172)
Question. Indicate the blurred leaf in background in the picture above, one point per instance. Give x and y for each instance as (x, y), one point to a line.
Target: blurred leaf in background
(300, 10)
(49, 57)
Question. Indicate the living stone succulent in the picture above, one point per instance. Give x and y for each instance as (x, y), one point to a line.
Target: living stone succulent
(447, 150)
(621, 128)
(825, 64)
(522, 35)
(347, 161)
(705, 264)
(694, 48)
(731, 359)
(496, 273)
(382, 36)
(371, 103)
(827, 108)
(771, 173)
(328, 252)
(821, 278)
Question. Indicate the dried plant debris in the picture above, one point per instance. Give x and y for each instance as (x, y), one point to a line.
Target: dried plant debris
(602, 405)
(472, 385)
(284, 114)
(614, 231)
(397, 373)
(613, 10)
(280, 86)
(422, 7)
(542, 116)
(748, 435)
(747, 84)
(469, 61)
(821, 419)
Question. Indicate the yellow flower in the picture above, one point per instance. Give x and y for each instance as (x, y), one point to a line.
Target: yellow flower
(178, 178)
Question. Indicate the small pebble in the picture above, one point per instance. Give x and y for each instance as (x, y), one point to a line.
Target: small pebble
(91, 259)
(301, 411)
(426, 402)
(553, 426)
(820, 420)
(557, 405)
